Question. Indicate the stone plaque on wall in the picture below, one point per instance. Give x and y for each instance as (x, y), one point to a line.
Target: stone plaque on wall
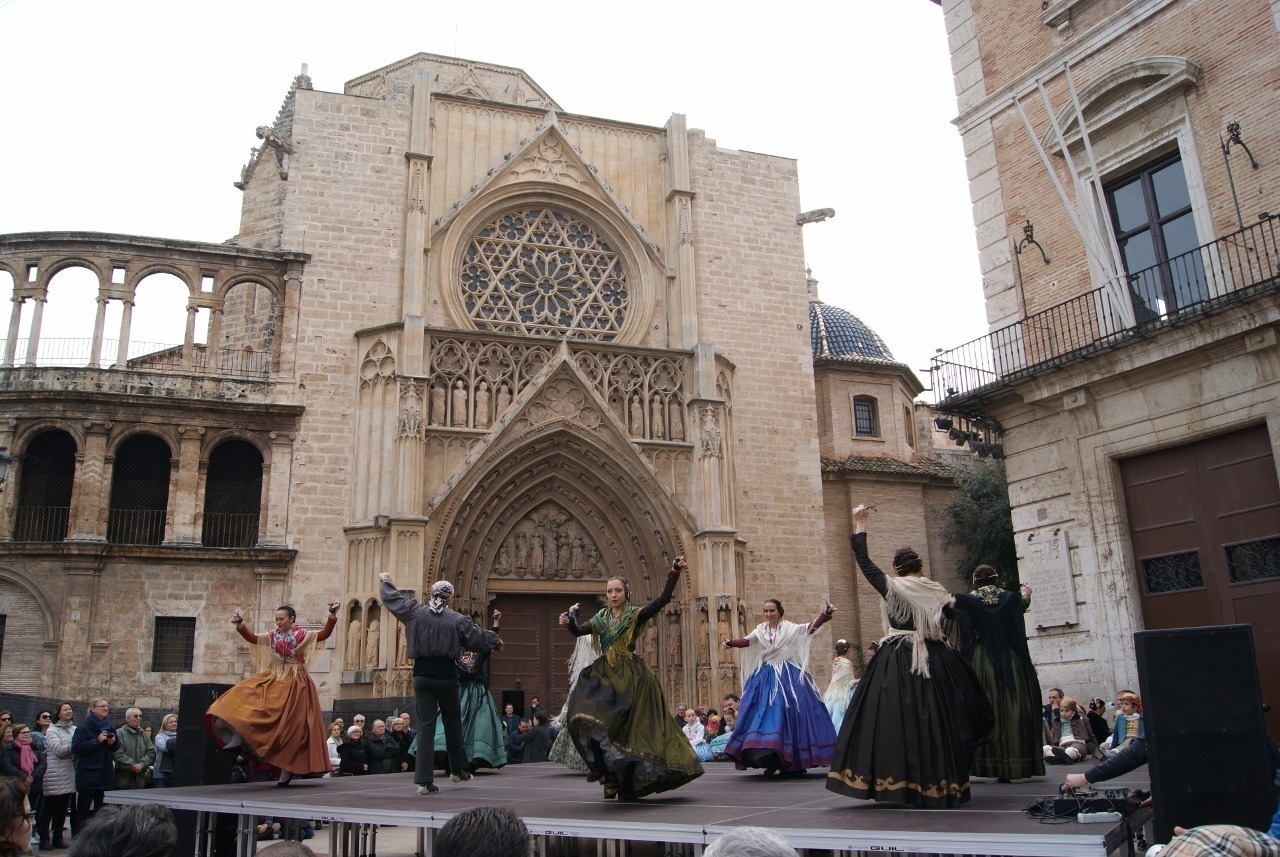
(1045, 562)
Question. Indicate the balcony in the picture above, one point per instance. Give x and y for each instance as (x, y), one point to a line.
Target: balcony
(1233, 269)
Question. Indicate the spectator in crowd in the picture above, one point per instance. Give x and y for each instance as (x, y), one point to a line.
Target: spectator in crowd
(1129, 726)
(94, 745)
(6, 736)
(730, 703)
(410, 733)
(358, 720)
(515, 752)
(1228, 840)
(59, 779)
(43, 721)
(1099, 728)
(697, 735)
(22, 761)
(384, 752)
(353, 754)
(1066, 745)
(483, 831)
(333, 742)
(287, 849)
(535, 743)
(400, 737)
(134, 752)
(166, 744)
(534, 704)
(510, 720)
(15, 821)
(143, 830)
(681, 710)
(750, 842)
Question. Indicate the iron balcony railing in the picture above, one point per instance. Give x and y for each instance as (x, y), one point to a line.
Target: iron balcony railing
(1233, 268)
(229, 530)
(145, 356)
(135, 526)
(40, 523)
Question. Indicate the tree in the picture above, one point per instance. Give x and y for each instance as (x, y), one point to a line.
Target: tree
(980, 523)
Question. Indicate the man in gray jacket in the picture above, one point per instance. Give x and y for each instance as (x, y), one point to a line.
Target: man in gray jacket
(435, 636)
(134, 754)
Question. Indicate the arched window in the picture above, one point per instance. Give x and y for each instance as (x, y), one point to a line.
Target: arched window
(232, 496)
(139, 492)
(866, 418)
(544, 272)
(908, 426)
(44, 497)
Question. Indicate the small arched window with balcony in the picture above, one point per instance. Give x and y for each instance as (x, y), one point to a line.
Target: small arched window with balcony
(232, 496)
(44, 494)
(866, 417)
(139, 491)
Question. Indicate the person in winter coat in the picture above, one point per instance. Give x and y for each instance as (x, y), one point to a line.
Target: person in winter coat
(166, 744)
(59, 779)
(25, 762)
(94, 745)
(135, 752)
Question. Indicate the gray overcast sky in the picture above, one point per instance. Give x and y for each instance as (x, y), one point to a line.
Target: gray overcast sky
(136, 116)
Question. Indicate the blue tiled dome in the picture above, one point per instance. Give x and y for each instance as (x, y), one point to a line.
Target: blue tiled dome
(837, 334)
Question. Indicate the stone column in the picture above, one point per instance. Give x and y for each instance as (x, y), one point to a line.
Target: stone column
(185, 496)
(77, 677)
(682, 287)
(122, 349)
(15, 318)
(99, 322)
(7, 492)
(92, 489)
(275, 490)
(33, 338)
(417, 227)
(189, 336)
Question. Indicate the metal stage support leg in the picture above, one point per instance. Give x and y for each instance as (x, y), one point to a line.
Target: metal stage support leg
(335, 829)
(426, 841)
(246, 842)
(203, 834)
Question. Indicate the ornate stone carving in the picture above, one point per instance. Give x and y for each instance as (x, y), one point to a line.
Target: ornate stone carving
(563, 400)
(378, 366)
(548, 542)
(418, 188)
(410, 410)
(354, 645)
(373, 636)
(712, 442)
(675, 657)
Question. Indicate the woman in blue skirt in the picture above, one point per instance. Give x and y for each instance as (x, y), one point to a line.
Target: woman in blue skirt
(782, 724)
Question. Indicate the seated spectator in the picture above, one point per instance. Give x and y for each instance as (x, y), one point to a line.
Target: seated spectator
(1129, 725)
(535, 744)
(126, 830)
(1098, 727)
(515, 750)
(750, 842)
(354, 758)
(483, 831)
(333, 742)
(15, 821)
(1066, 736)
(400, 734)
(696, 733)
(384, 752)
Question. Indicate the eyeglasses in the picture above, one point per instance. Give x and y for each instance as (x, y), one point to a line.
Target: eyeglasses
(24, 731)
(28, 817)
(43, 717)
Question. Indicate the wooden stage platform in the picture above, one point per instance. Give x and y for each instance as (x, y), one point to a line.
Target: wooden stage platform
(555, 802)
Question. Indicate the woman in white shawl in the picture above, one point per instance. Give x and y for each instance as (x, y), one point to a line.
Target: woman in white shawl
(909, 734)
(564, 751)
(782, 725)
(840, 690)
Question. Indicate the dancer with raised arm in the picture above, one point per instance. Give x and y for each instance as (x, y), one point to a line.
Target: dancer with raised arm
(910, 731)
(618, 716)
(275, 713)
(782, 724)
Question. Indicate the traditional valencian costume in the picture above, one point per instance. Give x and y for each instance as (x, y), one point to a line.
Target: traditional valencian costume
(481, 728)
(275, 713)
(840, 690)
(563, 750)
(782, 724)
(618, 716)
(911, 729)
(995, 642)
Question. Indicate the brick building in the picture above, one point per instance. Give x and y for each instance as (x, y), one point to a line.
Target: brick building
(464, 334)
(1123, 174)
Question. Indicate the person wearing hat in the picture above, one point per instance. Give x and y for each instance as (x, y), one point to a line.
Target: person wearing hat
(435, 636)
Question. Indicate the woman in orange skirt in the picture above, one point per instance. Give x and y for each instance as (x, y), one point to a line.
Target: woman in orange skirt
(275, 713)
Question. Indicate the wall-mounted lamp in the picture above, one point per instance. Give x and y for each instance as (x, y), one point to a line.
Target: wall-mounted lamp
(1234, 139)
(1028, 239)
(5, 460)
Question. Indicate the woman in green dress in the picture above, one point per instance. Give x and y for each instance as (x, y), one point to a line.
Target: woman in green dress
(617, 714)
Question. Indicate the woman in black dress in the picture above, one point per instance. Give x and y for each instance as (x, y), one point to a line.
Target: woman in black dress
(996, 645)
(909, 734)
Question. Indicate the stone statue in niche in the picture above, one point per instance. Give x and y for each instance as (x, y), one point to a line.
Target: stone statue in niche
(552, 550)
(482, 406)
(677, 421)
(355, 643)
(673, 639)
(504, 399)
(537, 558)
(437, 405)
(402, 651)
(502, 566)
(649, 645)
(411, 417)
(656, 421)
(704, 644)
(562, 568)
(459, 405)
(723, 633)
(575, 561)
(371, 646)
(637, 417)
(522, 552)
(593, 561)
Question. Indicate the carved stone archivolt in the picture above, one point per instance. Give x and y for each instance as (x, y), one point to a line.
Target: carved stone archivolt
(548, 543)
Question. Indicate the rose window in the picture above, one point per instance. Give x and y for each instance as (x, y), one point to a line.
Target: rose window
(544, 272)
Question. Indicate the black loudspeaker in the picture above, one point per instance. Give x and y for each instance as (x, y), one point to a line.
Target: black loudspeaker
(1207, 743)
(197, 761)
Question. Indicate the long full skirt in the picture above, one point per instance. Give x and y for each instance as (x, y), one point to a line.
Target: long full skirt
(564, 752)
(782, 723)
(618, 720)
(909, 739)
(278, 718)
(481, 729)
(1014, 751)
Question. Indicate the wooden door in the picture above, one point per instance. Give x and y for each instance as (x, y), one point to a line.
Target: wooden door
(535, 651)
(1204, 520)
